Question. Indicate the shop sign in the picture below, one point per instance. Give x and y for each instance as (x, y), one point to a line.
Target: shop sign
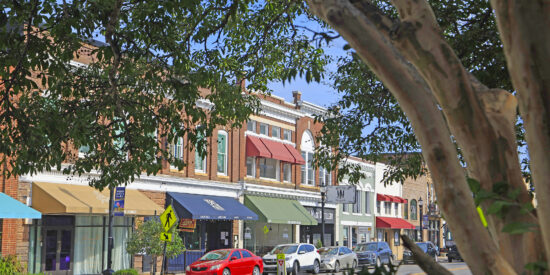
(187, 225)
(425, 222)
(341, 194)
(248, 233)
(118, 204)
(281, 266)
(168, 218)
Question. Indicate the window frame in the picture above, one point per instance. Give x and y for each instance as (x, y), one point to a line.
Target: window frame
(204, 168)
(276, 129)
(414, 211)
(387, 209)
(251, 123)
(289, 132)
(253, 170)
(266, 127)
(286, 164)
(222, 133)
(277, 169)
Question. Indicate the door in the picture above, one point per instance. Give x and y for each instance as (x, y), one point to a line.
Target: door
(236, 264)
(58, 251)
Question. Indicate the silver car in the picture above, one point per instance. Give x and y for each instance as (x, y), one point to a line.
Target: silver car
(336, 258)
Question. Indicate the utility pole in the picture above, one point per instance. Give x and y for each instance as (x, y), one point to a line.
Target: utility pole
(110, 243)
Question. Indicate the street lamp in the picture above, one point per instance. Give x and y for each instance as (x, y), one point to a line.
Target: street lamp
(323, 193)
(420, 204)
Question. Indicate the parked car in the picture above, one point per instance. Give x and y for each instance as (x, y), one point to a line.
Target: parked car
(226, 262)
(452, 251)
(428, 248)
(299, 257)
(374, 253)
(336, 257)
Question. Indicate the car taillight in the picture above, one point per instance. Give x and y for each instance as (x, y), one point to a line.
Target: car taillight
(317, 251)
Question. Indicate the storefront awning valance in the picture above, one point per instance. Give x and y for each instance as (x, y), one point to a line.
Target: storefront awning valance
(381, 197)
(54, 198)
(202, 207)
(11, 208)
(277, 210)
(266, 148)
(393, 223)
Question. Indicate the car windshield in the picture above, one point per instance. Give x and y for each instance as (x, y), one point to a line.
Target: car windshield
(366, 247)
(285, 249)
(423, 246)
(328, 251)
(215, 255)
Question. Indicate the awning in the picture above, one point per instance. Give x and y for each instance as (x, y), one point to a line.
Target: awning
(11, 208)
(276, 210)
(380, 197)
(202, 207)
(394, 223)
(53, 198)
(266, 148)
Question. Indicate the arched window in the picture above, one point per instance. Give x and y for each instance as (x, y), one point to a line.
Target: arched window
(308, 146)
(413, 210)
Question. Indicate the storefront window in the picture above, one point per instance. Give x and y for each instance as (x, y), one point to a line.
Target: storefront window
(192, 237)
(261, 238)
(346, 233)
(269, 168)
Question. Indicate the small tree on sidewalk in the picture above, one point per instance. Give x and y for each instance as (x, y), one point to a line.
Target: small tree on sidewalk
(146, 240)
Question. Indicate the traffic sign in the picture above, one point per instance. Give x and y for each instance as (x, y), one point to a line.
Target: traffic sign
(167, 237)
(266, 229)
(281, 266)
(168, 218)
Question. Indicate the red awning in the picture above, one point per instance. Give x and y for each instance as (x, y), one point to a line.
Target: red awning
(380, 197)
(278, 150)
(394, 223)
(298, 159)
(266, 148)
(256, 148)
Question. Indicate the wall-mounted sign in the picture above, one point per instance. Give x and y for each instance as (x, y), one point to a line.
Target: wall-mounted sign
(341, 194)
(187, 225)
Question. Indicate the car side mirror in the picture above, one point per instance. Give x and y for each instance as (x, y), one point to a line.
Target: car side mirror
(233, 258)
(301, 252)
(380, 249)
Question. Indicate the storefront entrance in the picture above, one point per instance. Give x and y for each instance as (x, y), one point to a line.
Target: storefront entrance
(58, 246)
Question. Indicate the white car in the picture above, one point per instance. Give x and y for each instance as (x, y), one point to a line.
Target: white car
(298, 257)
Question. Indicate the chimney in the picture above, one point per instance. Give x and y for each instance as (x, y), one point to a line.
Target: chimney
(297, 98)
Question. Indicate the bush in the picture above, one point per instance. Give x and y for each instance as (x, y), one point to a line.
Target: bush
(129, 271)
(10, 265)
(319, 243)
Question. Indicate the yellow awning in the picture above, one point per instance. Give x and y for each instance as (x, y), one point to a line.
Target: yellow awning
(54, 198)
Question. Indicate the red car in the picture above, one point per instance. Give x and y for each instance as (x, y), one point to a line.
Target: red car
(226, 262)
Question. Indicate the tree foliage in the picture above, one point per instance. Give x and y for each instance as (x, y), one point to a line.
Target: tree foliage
(146, 240)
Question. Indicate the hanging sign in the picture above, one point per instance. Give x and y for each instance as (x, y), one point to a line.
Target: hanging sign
(266, 229)
(341, 194)
(168, 218)
(118, 203)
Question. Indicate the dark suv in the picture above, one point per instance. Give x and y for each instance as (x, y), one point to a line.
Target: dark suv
(374, 253)
(452, 251)
(428, 248)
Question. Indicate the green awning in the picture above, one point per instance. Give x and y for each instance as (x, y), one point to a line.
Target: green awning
(275, 210)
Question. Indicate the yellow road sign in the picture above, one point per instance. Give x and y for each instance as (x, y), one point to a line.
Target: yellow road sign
(167, 237)
(266, 229)
(168, 218)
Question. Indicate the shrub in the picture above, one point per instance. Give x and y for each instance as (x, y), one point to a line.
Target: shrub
(129, 271)
(10, 265)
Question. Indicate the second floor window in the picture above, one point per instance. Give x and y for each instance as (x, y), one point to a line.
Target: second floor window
(222, 152)
(287, 134)
(275, 132)
(251, 167)
(387, 208)
(200, 161)
(325, 177)
(269, 168)
(287, 173)
(357, 205)
(406, 211)
(308, 173)
(377, 207)
(177, 149)
(251, 126)
(264, 129)
(396, 207)
(413, 210)
(368, 209)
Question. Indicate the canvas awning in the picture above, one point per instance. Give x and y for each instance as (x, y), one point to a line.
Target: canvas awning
(277, 210)
(203, 207)
(54, 198)
(393, 223)
(267, 148)
(11, 208)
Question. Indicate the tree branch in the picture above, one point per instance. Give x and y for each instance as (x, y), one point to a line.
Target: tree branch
(427, 263)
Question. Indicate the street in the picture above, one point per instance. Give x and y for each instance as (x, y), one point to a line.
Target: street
(459, 268)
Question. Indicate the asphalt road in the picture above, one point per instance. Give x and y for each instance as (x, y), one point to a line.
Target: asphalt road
(459, 268)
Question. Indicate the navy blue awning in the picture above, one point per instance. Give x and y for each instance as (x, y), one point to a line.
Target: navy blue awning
(202, 207)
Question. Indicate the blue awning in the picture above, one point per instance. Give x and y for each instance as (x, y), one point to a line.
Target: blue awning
(11, 208)
(202, 207)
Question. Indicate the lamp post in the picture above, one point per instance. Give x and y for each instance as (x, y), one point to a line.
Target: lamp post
(420, 204)
(323, 193)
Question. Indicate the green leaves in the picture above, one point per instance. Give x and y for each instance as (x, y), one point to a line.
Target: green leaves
(519, 228)
(146, 239)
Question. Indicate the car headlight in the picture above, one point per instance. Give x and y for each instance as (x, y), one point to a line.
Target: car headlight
(215, 267)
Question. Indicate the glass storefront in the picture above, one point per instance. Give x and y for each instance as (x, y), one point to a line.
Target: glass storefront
(261, 237)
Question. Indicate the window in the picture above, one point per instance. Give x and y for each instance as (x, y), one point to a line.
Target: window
(200, 160)
(310, 248)
(367, 203)
(302, 248)
(325, 177)
(275, 132)
(377, 207)
(287, 173)
(251, 167)
(222, 152)
(357, 205)
(396, 237)
(246, 254)
(406, 211)
(287, 134)
(251, 126)
(236, 254)
(310, 170)
(413, 210)
(307, 147)
(387, 208)
(269, 168)
(264, 129)
(177, 149)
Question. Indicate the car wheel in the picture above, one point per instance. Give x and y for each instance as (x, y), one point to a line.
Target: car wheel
(378, 263)
(256, 271)
(226, 271)
(316, 267)
(354, 265)
(337, 266)
(390, 260)
(449, 259)
(295, 268)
